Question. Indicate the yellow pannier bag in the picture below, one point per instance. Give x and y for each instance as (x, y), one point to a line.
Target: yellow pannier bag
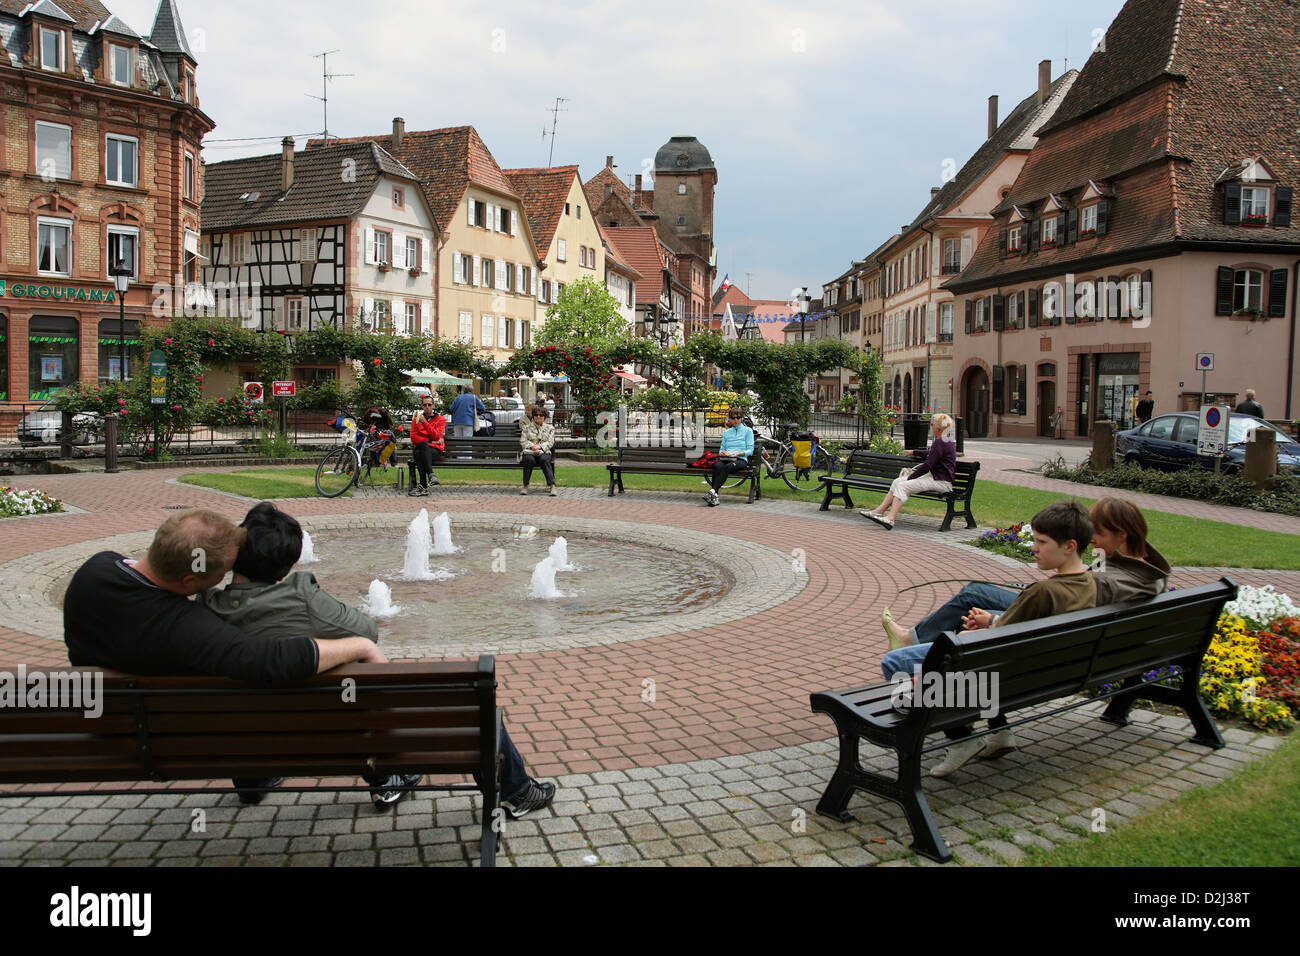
(803, 452)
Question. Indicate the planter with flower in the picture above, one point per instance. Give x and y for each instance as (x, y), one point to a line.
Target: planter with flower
(20, 502)
(1255, 219)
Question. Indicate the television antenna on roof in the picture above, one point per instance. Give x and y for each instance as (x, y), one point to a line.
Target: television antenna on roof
(325, 77)
(555, 112)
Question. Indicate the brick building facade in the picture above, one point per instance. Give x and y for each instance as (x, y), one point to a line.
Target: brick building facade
(101, 142)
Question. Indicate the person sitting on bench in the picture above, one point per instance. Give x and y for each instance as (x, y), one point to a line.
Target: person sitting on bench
(1128, 568)
(1061, 531)
(934, 474)
(733, 454)
(266, 600)
(537, 441)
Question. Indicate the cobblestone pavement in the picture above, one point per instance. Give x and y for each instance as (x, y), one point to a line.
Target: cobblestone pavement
(712, 771)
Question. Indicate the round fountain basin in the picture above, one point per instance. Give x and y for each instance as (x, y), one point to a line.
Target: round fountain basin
(489, 595)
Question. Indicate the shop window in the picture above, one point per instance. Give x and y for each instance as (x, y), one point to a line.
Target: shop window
(51, 356)
(113, 345)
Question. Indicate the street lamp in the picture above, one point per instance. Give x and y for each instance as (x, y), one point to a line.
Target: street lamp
(121, 273)
(804, 299)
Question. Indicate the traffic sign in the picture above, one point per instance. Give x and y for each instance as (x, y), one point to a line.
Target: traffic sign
(253, 391)
(157, 378)
(1205, 361)
(283, 389)
(1212, 436)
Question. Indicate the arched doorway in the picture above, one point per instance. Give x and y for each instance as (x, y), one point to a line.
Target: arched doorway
(1046, 399)
(975, 401)
(898, 390)
(907, 392)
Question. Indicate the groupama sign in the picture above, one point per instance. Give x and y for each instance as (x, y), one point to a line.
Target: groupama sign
(65, 293)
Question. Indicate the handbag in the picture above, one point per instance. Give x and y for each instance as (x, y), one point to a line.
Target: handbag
(705, 461)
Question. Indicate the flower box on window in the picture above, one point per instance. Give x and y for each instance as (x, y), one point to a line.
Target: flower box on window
(1087, 233)
(381, 266)
(415, 270)
(1251, 314)
(1049, 243)
(1255, 219)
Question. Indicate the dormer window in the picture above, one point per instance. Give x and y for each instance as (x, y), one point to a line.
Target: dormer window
(1088, 221)
(1013, 239)
(52, 50)
(120, 65)
(1252, 195)
(1254, 204)
(1049, 231)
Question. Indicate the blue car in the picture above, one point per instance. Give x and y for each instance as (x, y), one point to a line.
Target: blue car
(1169, 443)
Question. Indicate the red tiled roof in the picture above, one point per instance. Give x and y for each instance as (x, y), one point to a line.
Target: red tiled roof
(544, 192)
(638, 246)
(84, 13)
(447, 161)
(612, 255)
(595, 188)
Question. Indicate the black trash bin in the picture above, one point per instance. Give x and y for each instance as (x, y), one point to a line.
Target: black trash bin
(959, 430)
(915, 432)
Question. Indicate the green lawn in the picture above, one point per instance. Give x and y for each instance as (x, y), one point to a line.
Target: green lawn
(1251, 819)
(1186, 542)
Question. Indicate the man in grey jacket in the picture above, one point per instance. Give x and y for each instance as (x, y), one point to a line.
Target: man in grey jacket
(265, 599)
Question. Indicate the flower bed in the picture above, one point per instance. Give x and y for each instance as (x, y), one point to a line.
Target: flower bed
(1018, 542)
(15, 502)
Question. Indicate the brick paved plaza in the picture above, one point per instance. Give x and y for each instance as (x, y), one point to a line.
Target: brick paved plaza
(723, 767)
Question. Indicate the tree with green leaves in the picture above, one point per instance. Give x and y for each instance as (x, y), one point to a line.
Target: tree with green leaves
(585, 314)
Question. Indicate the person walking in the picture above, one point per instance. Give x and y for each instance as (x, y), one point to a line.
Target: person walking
(1145, 408)
(427, 446)
(934, 474)
(465, 408)
(537, 439)
(1250, 406)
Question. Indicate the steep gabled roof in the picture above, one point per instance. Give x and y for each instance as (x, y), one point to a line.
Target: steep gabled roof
(82, 14)
(544, 193)
(612, 255)
(446, 162)
(245, 193)
(1137, 49)
(117, 25)
(595, 187)
(1016, 131)
(638, 246)
(168, 33)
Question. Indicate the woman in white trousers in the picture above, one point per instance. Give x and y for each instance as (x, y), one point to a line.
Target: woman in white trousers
(934, 474)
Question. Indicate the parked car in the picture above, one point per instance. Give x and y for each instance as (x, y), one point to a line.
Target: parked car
(44, 426)
(1169, 443)
(507, 413)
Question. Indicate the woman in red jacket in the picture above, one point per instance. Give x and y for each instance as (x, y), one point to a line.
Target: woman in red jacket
(427, 446)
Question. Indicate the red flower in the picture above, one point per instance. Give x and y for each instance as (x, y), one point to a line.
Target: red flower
(167, 341)
(376, 361)
(212, 341)
(221, 401)
(176, 408)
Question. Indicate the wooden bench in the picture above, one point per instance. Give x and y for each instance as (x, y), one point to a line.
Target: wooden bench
(875, 472)
(1035, 662)
(676, 461)
(426, 718)
(497, 452)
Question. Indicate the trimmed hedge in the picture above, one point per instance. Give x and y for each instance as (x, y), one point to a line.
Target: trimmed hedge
(1195, 483)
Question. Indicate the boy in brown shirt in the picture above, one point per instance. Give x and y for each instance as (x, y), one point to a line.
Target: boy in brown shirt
(1062, 531)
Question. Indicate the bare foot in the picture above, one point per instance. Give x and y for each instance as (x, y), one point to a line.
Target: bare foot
(897, 636)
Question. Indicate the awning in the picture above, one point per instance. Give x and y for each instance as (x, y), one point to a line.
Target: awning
(551, 378)
(434, 376)
(631, 377)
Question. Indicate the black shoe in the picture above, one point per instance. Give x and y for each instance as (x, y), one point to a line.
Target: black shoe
(414, 492)
(536, 796)
(257, 789)
(394, 790)
(433, 480)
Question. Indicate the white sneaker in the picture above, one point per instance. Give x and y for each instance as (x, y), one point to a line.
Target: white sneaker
(998, 744)
(958, 756)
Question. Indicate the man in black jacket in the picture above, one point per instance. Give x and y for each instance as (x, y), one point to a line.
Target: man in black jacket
(1250, 406)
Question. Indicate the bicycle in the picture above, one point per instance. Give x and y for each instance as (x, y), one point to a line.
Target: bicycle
(778, 457)
(341, 468)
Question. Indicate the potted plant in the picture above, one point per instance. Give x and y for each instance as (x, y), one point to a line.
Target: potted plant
(415, 271)
(1252, 313)
(1254, 219)
(1087, 233)
(382, 265)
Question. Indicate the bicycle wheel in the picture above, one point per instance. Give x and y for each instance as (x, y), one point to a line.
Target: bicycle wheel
(337, 471)
(805, 480)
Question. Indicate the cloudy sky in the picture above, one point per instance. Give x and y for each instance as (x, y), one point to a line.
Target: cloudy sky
(829, 122)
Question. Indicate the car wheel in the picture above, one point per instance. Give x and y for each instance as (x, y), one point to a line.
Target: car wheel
(1231, 468)
(1132, 461)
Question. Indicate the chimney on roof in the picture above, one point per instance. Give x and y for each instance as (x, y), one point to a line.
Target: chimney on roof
(934, 191)
(993, 115)
(399, 131)
(609, 162)
(638, 183)
(1044, 80)
(286, 163)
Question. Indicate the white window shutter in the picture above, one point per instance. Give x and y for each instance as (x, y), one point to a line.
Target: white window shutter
(469, 206)
(501, 331)
(475, 269)
(399, 250)
(425, 243)
(514, 219)
(965, 251)
(501, 274)
(489, 330)
(536, 283)
(519, 279)
(368, 309)
(519, 333)
(370, 246)
(931, 323)
(455, 268)
(501, 223)
(491, 217)
(426, 316)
